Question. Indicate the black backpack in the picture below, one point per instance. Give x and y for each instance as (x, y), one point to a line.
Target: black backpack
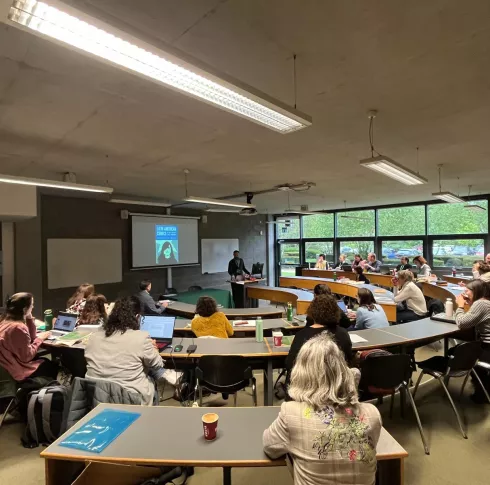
(46, 414)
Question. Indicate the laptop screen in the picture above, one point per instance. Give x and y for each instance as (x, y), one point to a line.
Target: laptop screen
(66, 322)
(342, 306)
(159, 327)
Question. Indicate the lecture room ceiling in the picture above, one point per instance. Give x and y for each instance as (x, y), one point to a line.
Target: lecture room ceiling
(424, 65)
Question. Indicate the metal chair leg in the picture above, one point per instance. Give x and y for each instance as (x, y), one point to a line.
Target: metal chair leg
(477, 377)
(6, 411)
(200, 394)
(441, 380)
(419, 423)
(392, 405)
(254, 392)
(234, 398)
(417, 384)
(464, 385)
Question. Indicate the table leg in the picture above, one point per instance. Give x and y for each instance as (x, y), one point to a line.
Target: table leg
(226, 475)
(61, 472)
(268, 384)
(446, 346)
(390, 472)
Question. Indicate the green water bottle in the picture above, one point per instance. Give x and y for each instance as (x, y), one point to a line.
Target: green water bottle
(335, 276)
(289, 312)
(259, 330)
(48, 320)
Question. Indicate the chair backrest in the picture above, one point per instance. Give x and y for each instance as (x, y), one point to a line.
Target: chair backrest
(223, 370)
(8, 386)
(257, 268)
(386, 371)
(464, 356)
(171, 291)
(435, 306)
(195, 288)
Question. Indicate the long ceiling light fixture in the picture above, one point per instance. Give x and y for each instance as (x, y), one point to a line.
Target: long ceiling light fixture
(473, 207)
(206, 201)
(69, 26)
(145, 202)
(9, 179)
(448, 197)
(386, 165)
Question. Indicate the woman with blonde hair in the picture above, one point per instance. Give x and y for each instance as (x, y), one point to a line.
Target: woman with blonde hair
(330, 436)
(410, 300)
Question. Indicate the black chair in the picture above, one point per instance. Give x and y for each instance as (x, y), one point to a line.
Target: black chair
(485, 366)
(194, 288)
(460, 363)
(227, 374)
(384, 376)
(258, 269)
(171, 291)
(8, 392)
(167, 294)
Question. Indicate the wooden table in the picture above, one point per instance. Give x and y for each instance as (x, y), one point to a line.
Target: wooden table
(344, 289)
(442, 293)
(188, 310)
(374, 278)
(280, 295)
(456, 279)
(173, 436)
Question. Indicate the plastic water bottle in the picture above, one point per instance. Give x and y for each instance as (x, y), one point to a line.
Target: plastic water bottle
(290, 312)
(449, 308)
(259, 330)
(335, 276)
(454, 271)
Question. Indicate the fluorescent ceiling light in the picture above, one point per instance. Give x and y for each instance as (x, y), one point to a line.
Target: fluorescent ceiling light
(9, 179)
(225, 203)
(475, 208)
(153, 203)
(304, 213)
(448, 197)
(72, 27)
(390, 168)
(230, 211)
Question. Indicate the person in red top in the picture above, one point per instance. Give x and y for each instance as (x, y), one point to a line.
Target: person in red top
(19, 343)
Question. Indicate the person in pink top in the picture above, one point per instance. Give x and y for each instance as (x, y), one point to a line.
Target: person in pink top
(19, 343)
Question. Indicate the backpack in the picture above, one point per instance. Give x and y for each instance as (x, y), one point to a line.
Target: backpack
(46, 414)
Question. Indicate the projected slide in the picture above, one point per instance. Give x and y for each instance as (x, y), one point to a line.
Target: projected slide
(164, 241)
(167, 244)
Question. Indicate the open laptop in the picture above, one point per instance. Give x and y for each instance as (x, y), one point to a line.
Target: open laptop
(160, 328)
(342, 306)
(65, 323)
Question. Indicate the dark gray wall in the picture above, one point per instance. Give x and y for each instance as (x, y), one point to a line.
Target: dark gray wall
(67, 217)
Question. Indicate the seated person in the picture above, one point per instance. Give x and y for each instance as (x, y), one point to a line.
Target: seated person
(477, 296)
(77, 301)
(209, 322)
(342, 260)
(330, 436)
(325, 313)
(404, 264)
(360, 275)
(356, 262)
(410, 299)
(321, 289)
(148, 305)
(124, 354)
(424, 270)
(369, 313)
(320, 262)
(372, 264)
(19, 343)
(94, 312)
(481, 271)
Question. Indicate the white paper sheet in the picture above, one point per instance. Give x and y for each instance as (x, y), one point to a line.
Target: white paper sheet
(355, 339)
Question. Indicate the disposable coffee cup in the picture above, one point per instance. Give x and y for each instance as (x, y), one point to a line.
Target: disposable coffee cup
(210, 426)
(277, 336)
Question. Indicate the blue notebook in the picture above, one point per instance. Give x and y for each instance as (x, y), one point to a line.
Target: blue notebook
(100, 431)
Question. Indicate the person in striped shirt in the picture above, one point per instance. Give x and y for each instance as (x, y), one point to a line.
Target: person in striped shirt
(477, 296)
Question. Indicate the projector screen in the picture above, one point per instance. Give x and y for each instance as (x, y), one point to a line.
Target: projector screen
(164, 241)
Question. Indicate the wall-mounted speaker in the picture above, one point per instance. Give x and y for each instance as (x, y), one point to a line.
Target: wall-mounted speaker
(124, 214)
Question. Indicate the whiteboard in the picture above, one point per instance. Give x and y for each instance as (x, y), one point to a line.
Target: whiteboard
(216, 254)
(72, 262)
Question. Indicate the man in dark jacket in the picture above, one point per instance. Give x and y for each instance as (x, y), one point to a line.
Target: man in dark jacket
(147, 303)
(236, 266)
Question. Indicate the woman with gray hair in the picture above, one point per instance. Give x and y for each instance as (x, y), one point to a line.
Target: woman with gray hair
(330, 436)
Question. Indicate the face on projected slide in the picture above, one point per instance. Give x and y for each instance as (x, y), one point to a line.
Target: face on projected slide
(167, 244)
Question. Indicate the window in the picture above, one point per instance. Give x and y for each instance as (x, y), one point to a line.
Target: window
(392, 251)
(356, 224)
(313, 249)
(456, 252)
(320, 226)
(402, 221)
(289, 258)
(288, 229)
(351, 248)
(457, 219)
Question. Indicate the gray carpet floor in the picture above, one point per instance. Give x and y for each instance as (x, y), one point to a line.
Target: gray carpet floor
(453, 460)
